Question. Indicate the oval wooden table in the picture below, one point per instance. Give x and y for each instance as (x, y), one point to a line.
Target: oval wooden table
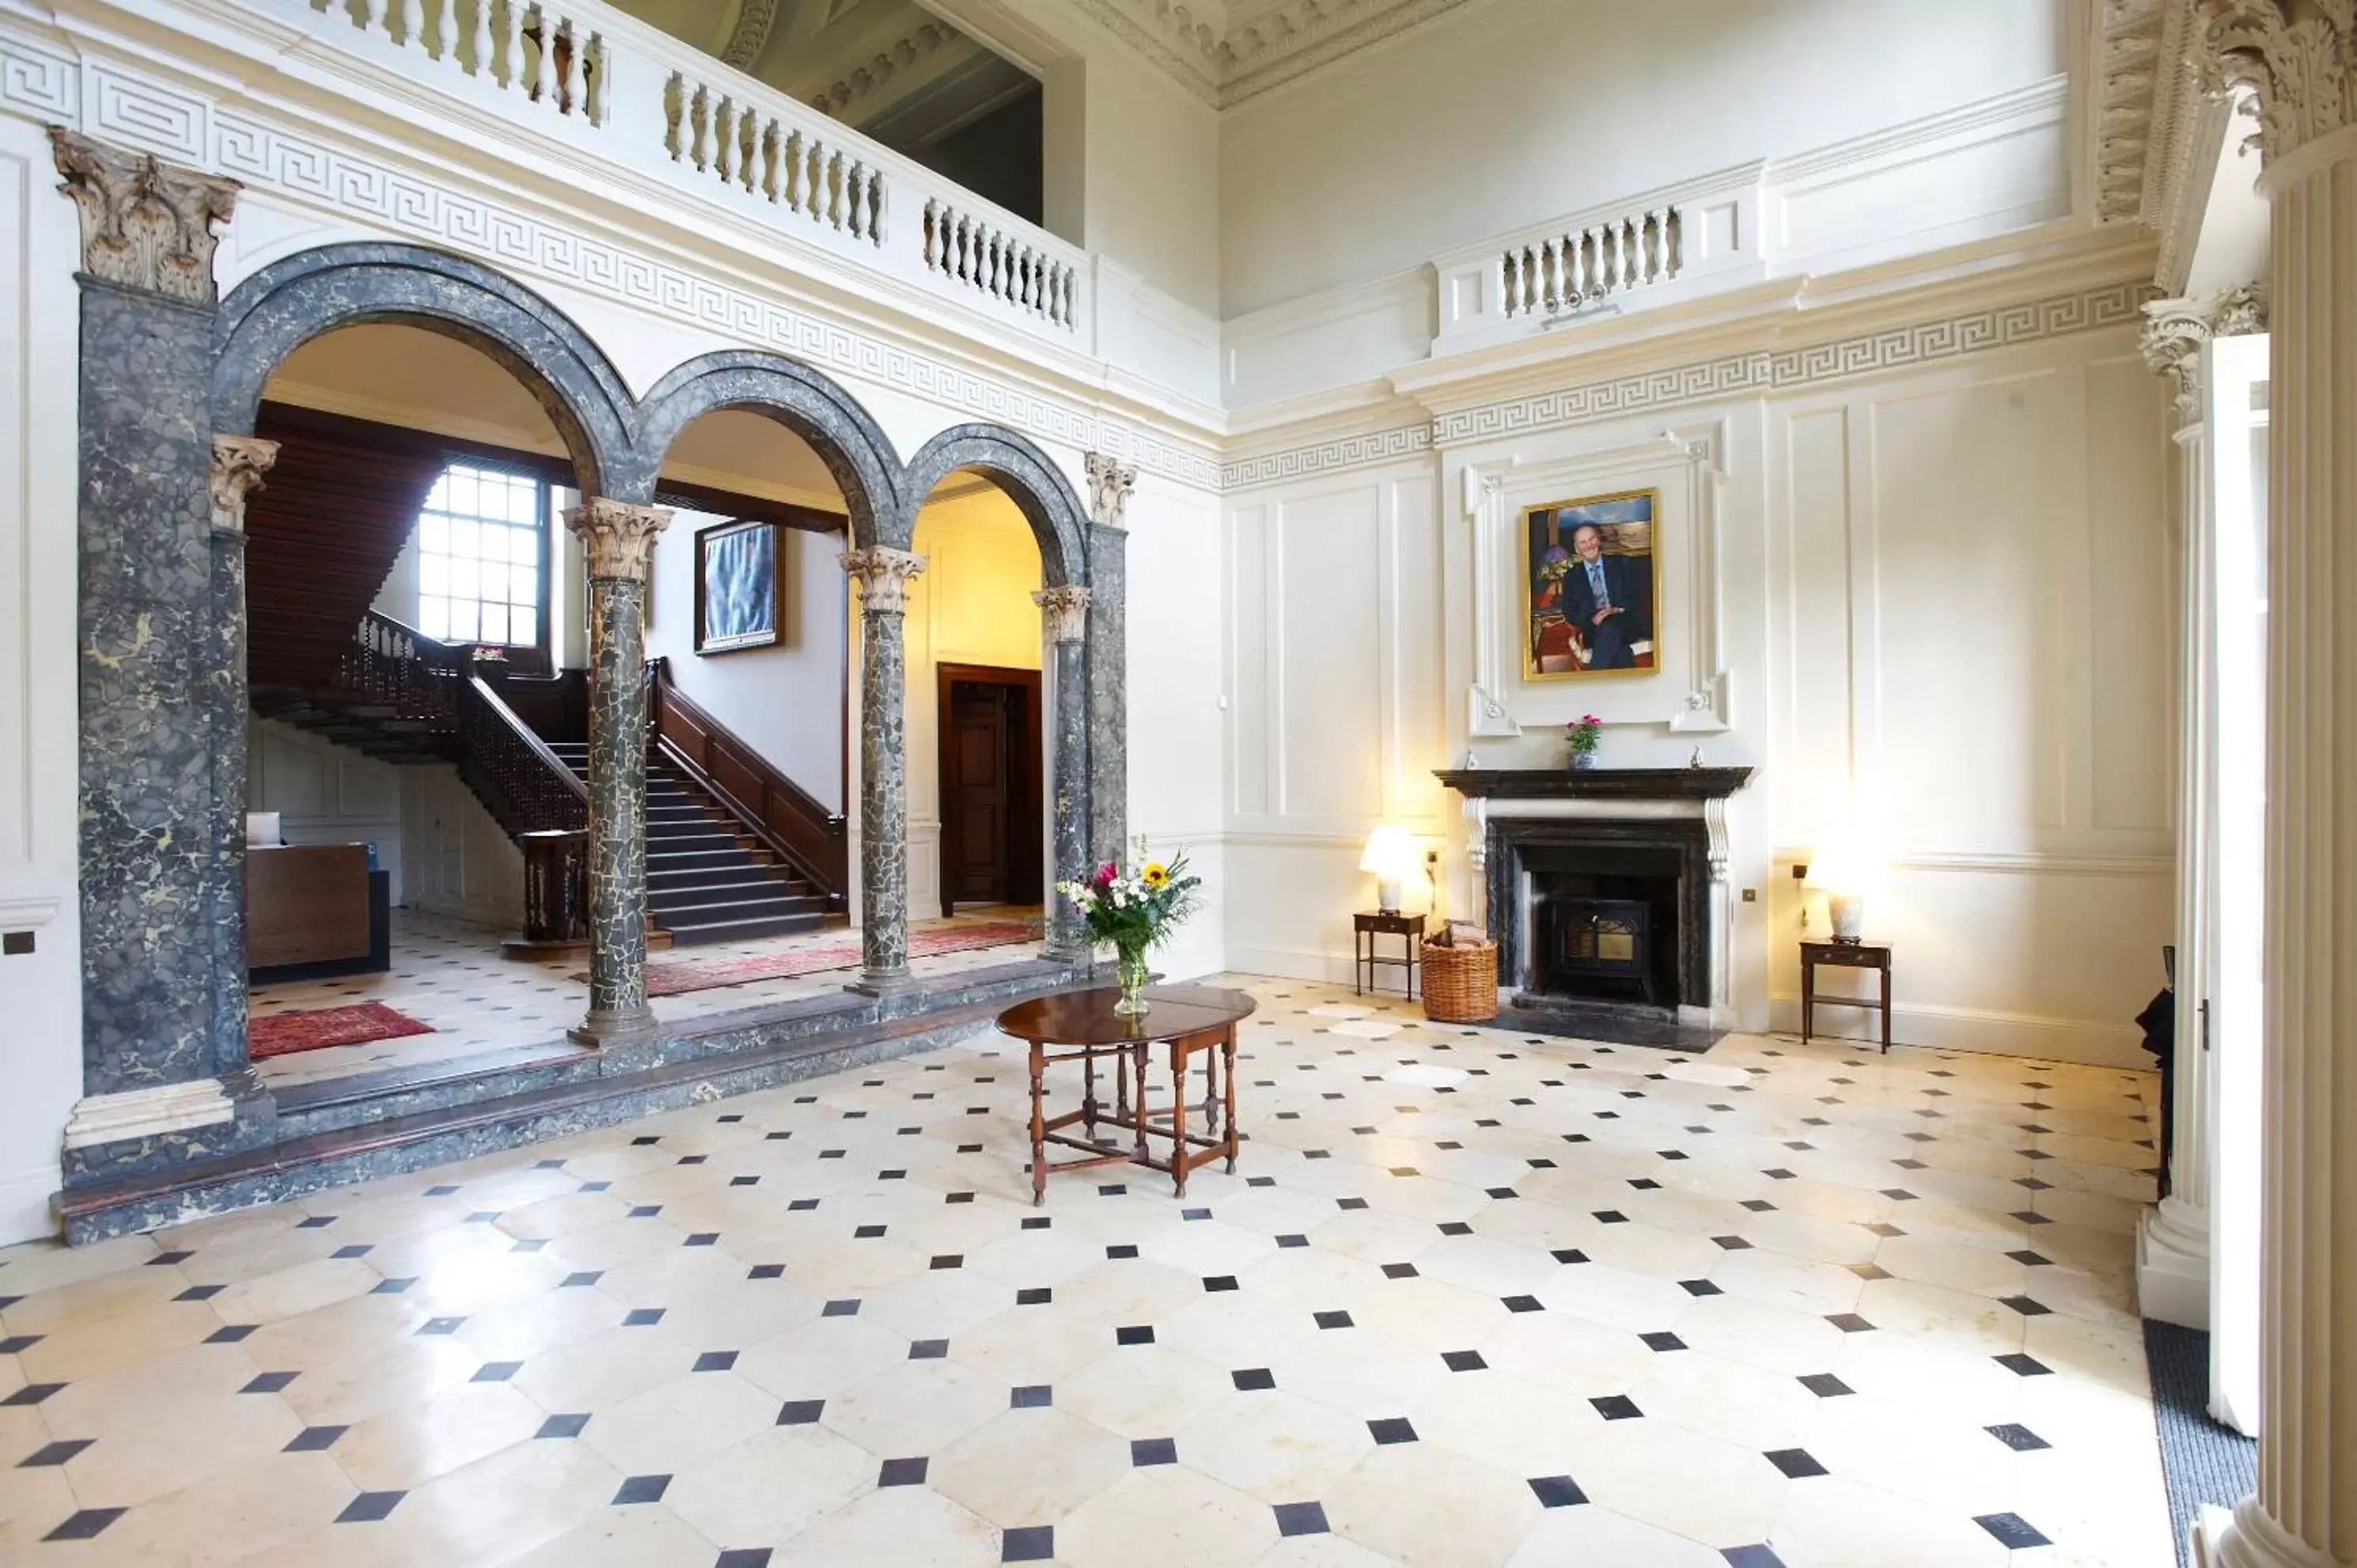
(1080, 1026)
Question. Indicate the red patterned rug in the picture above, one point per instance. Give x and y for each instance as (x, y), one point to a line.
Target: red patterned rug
(316, 1029)
(703, 974)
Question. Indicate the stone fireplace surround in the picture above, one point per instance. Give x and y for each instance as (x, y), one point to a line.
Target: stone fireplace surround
(1527, 823)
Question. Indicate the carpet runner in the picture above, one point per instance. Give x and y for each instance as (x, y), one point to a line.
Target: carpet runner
(704, 974)
(316, 1029)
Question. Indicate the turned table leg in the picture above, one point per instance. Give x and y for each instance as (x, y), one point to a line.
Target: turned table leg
(1039, 1126)
(1178, 1115)
(1228, 1071)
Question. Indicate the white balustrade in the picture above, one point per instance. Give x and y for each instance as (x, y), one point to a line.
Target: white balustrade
(822, 177)
(556, 59)
(993, 260)
(1556, 273)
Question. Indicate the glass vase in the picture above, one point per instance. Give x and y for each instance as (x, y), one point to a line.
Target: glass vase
(1134, 977)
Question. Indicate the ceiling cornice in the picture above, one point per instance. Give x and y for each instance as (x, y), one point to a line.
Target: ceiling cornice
(1224, 62)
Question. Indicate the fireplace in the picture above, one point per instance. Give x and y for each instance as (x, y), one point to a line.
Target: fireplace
(1607, 889)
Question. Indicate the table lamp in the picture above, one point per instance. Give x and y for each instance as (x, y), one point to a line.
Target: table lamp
(1390, 857)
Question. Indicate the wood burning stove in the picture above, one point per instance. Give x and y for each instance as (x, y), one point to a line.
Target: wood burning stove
(1599, 939)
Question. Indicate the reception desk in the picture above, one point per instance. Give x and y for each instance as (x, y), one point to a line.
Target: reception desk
(313, 911)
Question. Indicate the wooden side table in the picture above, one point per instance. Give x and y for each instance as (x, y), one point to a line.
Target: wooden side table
(1365, 926)
(1080, 1026)
(1844, 955)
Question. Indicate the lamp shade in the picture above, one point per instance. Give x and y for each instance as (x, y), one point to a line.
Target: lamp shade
(1390, 852)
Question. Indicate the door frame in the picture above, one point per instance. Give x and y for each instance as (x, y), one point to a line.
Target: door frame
(1025, 818)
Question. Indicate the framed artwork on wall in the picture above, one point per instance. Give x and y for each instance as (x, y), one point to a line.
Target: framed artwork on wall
(738, 572)
(1587, 586)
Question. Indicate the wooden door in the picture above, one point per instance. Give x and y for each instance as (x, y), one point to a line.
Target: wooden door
(979, 794)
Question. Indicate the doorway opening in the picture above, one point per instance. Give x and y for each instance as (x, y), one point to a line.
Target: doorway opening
(989, 750)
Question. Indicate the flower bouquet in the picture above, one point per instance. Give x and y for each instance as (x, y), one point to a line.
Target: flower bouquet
(1135, 912)
(1582, 733)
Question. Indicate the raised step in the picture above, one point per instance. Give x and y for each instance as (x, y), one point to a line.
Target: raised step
(734, 1052)
(697, 933)
(731, 859)
(728, 889)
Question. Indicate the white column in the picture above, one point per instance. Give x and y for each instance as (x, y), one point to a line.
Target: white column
(2300, 57)
(2173, 1241)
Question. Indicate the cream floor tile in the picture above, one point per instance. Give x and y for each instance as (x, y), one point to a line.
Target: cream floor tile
(1166, 1516)
(1526, 1322)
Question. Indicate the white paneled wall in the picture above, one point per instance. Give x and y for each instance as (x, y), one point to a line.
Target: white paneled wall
(324, 793)
(40, 992)
(456, 861)
(1932, 609)
(1334, 669)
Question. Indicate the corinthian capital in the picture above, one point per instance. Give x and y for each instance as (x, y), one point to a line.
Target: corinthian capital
(619, 537)
(238, 463)
(1064, 612)
(2299, 57)
(2175, 329)
(146, 224)
(883, 574)
(1110, 482)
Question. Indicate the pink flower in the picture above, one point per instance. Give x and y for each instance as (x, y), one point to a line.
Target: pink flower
(1106, 876)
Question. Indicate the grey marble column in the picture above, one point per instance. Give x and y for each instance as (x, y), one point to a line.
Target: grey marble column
(618, 538)
(238, 463)
(1064, 614)
(1110, 484)
(157, 969)
(882, 575)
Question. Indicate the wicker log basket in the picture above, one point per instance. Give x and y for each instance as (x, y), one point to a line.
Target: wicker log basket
(1460, 980)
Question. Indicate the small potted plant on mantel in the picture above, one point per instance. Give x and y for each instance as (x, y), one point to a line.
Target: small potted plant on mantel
(1582, 733)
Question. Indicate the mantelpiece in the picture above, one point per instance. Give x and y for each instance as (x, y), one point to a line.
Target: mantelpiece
(1533, 828)
(1596, 783)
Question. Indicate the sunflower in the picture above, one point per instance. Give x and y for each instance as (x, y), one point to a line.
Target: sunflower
(1156, 874)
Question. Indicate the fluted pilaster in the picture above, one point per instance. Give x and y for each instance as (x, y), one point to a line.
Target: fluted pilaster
(2300, 59)
(881, 575)
(619, 540)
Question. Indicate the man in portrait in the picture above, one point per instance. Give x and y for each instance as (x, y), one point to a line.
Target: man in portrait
(1608, 598)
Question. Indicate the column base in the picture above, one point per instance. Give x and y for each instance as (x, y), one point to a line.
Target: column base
(2172, 1266)
(146, 1113)
(614, 1026)
(2248, 1538)
(893, 982)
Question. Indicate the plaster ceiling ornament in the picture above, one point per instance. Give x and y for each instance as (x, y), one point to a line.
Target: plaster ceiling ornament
(2175, 329)
(1225, 55)
(1110, 483)
(751, 34)
(857, 83)
(238, 463)
(882, 574)
(146, 224)
(619, 537)
(2298, 56)
(1064, 612)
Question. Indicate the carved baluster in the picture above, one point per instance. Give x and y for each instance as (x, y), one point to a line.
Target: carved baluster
(538, 63)
(511, 67)
(813, 169)
(481, 42)
(877, 215)
(413, 24)
(724, 138)
(568, 69)
(1674, 245)
(373, 16)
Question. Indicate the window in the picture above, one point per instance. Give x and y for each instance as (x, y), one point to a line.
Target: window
(481, 540)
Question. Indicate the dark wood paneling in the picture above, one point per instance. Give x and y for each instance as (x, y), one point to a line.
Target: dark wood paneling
(1024, 773)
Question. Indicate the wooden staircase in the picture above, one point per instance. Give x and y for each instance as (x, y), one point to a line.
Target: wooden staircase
(717, 869)
(707, 879)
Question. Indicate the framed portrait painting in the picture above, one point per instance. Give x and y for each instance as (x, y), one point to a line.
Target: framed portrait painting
(736, 587)
(1587, 586)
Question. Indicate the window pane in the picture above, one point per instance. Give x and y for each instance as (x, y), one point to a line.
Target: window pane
(463, 620)
(433, 575)
(524, 588)
(523, 624)
(463, 536)
(434, 617)
(480, 545)
(523, 545)
(466, 577)
(438, 498)
(495, 623)
(434, 533)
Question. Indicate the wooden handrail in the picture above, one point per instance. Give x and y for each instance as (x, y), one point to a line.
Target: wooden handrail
(772, 808)
(503, 757)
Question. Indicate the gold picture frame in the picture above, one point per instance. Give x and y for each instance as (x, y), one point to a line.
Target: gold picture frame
(1568, 634)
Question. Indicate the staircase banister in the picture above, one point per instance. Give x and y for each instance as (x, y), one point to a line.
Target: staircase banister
(497, 706)
(658, 671)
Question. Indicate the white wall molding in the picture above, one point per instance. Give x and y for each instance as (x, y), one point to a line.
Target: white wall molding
(145, 1113)
(1973, 1029)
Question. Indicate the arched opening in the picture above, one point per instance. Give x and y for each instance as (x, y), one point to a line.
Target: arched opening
(410, 592)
